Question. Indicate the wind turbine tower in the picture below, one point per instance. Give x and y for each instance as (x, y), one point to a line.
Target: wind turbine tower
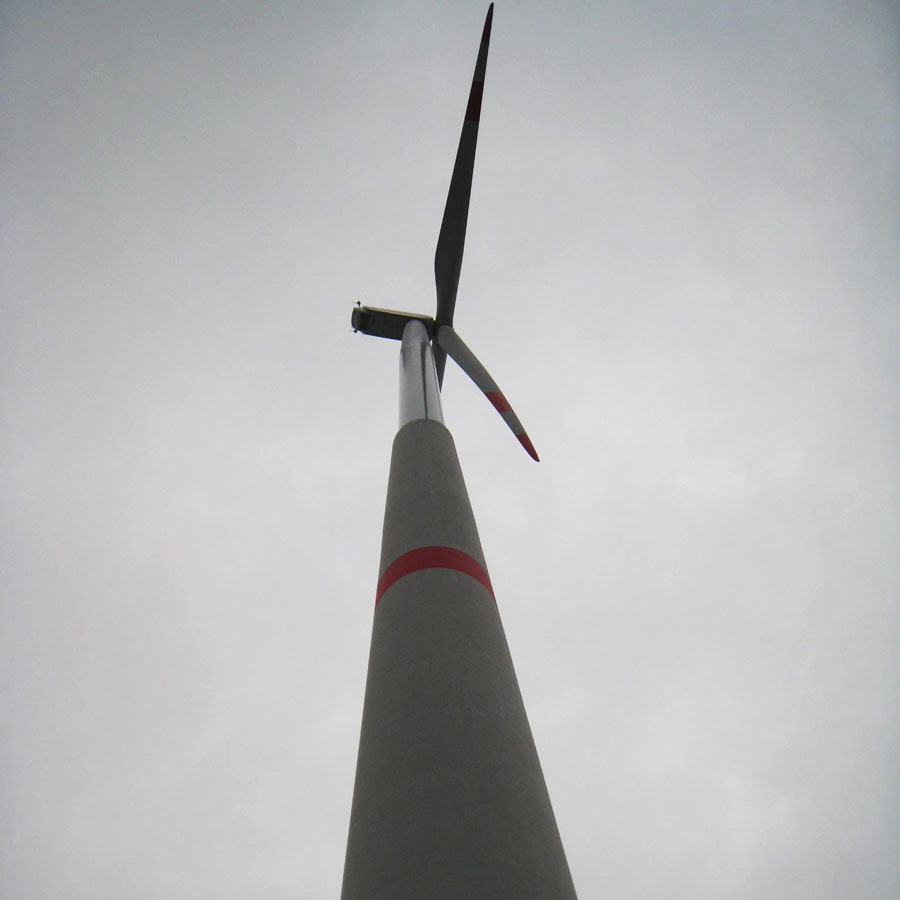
(449, 799)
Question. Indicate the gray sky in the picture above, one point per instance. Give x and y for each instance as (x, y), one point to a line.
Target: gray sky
(682, 268)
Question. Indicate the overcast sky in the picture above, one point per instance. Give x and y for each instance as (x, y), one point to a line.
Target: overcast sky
(682, 267)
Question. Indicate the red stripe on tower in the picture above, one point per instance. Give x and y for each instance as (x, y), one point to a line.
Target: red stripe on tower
(431, 558)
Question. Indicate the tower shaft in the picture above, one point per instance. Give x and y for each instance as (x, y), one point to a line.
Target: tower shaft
(449, 799)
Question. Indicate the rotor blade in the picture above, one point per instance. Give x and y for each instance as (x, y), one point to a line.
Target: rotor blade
(450, 341)
(452, 238)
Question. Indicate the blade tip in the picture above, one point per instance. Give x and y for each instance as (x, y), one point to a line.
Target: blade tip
(525, 441)
(486, 34)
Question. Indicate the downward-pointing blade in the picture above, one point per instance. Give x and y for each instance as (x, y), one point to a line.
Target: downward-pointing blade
(453, 344)
(452, 239)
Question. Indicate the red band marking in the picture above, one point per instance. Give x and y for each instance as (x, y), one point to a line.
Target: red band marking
(431, 558)
(473, 110)
(526, 443)
(501, 404)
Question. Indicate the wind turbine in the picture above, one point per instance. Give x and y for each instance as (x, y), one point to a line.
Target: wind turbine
(449, 799)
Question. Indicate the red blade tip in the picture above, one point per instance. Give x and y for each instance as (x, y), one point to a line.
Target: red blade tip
(526, 443)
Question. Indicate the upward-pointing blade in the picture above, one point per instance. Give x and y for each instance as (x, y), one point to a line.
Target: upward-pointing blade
(450, 341)
(452, 239)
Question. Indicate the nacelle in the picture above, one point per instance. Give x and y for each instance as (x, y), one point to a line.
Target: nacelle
(386, 323)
